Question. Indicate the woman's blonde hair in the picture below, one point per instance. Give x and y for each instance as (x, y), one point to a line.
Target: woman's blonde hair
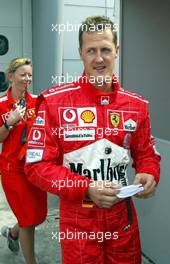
(15, 64)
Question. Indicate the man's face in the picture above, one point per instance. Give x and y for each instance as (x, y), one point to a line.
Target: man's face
(98, 54)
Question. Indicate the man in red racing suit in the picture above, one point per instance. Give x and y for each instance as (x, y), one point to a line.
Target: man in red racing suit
(76, 126)
(83, 136)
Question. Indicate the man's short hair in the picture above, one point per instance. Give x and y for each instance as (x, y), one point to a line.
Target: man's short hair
(97, 24)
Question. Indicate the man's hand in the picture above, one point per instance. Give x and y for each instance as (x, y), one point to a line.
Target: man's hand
(103, 193)
(148, 182)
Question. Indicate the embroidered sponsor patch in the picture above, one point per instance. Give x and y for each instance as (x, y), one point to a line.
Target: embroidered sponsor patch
(130, 125)
(100, 161)
(78, 117)
(115, 119)
(122, 120)
(30, 112)
(130, 120)
(87, 116)
(69, 116)
(37, 137)
(87, 204)
(79, 135)
(105, 100)
(40, 118)
(34, 155)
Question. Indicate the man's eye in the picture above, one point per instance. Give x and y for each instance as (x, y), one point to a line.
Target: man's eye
(90, 51)
(106, 50)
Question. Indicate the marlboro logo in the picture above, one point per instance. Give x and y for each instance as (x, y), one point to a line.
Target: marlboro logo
(104, 172)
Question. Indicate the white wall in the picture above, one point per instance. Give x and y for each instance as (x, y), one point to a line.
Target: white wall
(75, 11)
(15, 24)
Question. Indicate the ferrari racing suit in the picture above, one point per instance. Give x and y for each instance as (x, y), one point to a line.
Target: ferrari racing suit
(81, 135)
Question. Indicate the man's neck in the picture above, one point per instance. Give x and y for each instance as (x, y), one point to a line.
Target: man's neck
(105, 87)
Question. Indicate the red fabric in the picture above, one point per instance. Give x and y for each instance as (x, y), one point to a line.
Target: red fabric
(28, 203)
(99, 236)
(12, 145)
(50, 168)
(54, 157)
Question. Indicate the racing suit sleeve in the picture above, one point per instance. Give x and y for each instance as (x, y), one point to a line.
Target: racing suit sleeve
(145, 157)
(43, 160)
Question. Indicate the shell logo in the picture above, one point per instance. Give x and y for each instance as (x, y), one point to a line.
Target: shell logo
(87, 116)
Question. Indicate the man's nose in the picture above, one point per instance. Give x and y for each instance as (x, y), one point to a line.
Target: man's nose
(99, 57)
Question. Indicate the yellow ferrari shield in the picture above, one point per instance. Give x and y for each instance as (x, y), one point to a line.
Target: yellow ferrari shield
(114, 119)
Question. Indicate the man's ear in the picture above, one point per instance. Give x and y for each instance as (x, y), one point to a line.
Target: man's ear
(117, 50)
(80, 52)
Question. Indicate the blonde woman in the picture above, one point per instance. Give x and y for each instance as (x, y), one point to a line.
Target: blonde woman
(27, 202)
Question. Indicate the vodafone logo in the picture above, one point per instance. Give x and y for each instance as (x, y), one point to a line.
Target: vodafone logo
(37, 137)
(36, 134)
(69, 115)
